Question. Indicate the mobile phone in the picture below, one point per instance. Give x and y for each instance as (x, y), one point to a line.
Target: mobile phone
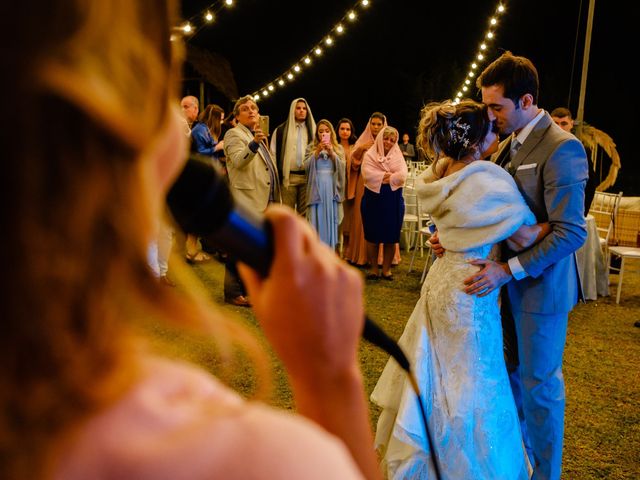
(264, 124)
(325, 137)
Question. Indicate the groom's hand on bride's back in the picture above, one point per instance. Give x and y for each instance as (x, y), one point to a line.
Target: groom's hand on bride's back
(492, 275)
(436, 247)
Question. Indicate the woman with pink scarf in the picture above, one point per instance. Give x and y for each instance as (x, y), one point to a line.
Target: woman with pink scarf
(385, 172)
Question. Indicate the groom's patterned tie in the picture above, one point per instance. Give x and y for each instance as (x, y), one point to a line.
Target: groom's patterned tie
(513, 150)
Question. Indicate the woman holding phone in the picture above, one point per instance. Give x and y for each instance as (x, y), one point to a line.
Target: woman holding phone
(325, 166)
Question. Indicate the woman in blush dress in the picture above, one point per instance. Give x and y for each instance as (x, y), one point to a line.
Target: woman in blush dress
(324, 164)
(385, 171)
(356, 253)
(86, 391)
(455, 339)
(347, 138)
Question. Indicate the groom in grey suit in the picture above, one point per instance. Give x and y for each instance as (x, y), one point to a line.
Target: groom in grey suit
(549, 166)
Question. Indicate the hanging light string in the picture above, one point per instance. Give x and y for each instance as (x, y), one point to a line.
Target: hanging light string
(315, 54)
(206, 17)
(480, 57)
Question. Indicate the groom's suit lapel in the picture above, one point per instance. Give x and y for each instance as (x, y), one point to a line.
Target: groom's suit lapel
(534, 138)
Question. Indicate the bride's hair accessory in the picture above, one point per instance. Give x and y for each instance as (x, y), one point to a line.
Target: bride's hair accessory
(460, 132)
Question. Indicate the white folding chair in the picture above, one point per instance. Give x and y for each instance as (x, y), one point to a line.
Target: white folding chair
(604, 209)
(411, 219)
(424, 234)
(623, 253)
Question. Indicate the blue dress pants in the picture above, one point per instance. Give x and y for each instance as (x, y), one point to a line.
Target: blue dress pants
(538, 388)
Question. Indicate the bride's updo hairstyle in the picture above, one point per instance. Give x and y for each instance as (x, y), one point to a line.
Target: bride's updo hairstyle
(451, 131)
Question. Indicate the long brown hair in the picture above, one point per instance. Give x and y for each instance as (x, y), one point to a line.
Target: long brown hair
(211, 117)
(90, 86)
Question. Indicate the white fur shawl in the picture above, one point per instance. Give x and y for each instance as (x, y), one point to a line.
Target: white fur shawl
(475, 206)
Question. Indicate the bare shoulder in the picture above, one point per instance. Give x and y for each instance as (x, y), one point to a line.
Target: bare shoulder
(180, 422)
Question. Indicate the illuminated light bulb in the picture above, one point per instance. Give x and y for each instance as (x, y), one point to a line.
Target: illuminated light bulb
(474, 65)
(490, 34)
(483, 47)
(493, 21)
(271, 87)
(208, 17)
(296, 68)
(318, 51)
(256, 96)
(480, 56)
(467, 81)
(329, 41)
(307, 60)
(465, 88)
(290, 76)
(365, 3)
(352, 15)
(501, 8)
(228, 2)
(459, 94)
(340, 28)
(265, 92)
(281, 82)
(187, 28)
(472, 74)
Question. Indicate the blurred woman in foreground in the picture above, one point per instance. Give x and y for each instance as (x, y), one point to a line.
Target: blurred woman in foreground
(81, 394)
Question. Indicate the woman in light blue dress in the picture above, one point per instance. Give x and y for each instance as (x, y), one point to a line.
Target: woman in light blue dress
(325, 166)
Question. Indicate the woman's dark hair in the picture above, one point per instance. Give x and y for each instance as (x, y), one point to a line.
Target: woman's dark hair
(210, 116)
(352, 139)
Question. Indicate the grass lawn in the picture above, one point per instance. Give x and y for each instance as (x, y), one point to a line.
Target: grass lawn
(602, 356)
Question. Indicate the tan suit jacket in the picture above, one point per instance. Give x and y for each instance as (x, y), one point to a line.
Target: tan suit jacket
(249, 176)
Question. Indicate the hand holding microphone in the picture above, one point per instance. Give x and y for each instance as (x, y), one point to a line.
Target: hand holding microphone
(310, 305)
(201, 203)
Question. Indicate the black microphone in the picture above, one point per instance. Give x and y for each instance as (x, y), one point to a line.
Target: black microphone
(201, 203)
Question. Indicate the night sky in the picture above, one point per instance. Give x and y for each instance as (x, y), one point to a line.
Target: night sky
(400, 54)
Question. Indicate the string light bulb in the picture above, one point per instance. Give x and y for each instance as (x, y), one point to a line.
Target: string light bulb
(206, 17)
(480, 56)
(337, 31)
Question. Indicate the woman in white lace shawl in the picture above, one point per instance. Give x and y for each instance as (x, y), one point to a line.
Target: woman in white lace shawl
(455, 339)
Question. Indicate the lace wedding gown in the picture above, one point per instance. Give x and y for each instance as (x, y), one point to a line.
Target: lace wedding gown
(454, 341)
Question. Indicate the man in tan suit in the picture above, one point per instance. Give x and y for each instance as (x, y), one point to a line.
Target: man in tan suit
(253, 178)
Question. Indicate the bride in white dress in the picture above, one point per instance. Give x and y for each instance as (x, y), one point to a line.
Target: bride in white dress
(453, 339)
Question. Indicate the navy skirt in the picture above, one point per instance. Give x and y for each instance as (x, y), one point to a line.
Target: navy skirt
(382, 215)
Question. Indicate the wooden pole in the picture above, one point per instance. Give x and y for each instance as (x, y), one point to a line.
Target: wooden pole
(585, 68)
